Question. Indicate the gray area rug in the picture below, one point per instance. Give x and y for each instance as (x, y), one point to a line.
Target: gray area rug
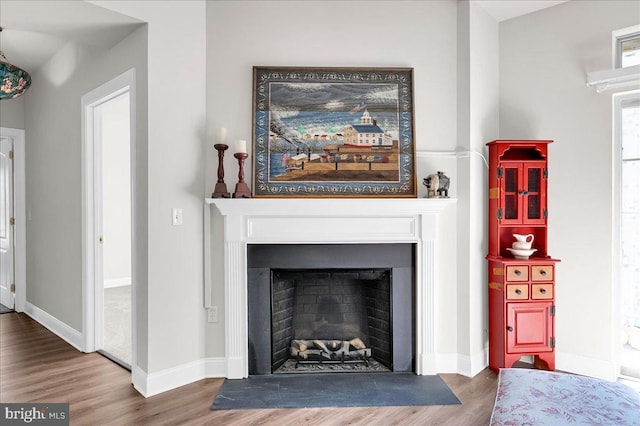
(333, 390)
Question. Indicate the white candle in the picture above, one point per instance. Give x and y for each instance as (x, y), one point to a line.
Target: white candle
(221, 135)
(241, 146)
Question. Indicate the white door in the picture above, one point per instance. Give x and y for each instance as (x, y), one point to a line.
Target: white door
(6, 223)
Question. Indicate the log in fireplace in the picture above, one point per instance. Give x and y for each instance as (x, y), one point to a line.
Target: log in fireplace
(330, 303)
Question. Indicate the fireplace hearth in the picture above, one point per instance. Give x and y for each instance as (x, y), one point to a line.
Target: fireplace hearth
(346, 314)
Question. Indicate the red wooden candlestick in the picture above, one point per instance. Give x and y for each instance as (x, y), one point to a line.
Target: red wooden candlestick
(220, 191)
(242, 190)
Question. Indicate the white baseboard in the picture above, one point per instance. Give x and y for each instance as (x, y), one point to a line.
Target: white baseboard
(584, 366)
(117, 282)
(57, 327)
(139, 380)
(470, 366)
(146, 384)
(171, 378)
(215, 367)
(447, 363)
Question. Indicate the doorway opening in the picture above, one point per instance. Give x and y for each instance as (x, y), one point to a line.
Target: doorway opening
(113, 116)
(7, 286)
(108, 118)
(12, 220)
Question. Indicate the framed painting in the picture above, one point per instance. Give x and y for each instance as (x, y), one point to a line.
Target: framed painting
(333, 132)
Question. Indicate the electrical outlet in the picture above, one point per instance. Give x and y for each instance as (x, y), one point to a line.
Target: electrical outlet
(176, 216)
(212, 314)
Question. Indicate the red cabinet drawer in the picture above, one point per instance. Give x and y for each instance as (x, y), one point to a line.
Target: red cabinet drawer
(541, 291)
(517, 273)
(542, 273)
(518, 291)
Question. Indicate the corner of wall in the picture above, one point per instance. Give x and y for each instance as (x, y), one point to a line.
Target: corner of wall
(57, 327)
(171, 378)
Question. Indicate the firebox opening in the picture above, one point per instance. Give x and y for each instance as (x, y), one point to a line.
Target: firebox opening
(333, 294)
(331, 320)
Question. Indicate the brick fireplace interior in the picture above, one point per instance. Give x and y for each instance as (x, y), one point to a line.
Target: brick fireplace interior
(330, 292)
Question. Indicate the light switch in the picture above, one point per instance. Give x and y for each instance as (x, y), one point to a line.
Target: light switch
(176, 215)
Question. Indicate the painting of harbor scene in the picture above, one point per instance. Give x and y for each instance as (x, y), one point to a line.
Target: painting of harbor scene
(333, 132)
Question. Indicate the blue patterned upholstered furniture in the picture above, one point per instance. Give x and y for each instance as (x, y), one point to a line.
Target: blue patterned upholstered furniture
(539, 397)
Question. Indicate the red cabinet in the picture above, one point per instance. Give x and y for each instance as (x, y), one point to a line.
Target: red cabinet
(523, 193)
(521, 290)
(529, 327)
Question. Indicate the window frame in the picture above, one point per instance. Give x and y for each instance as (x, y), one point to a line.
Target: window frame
(619, 101)
(619, 37)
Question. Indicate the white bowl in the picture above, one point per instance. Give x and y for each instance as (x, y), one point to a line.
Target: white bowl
(521, 245)
(521, 253)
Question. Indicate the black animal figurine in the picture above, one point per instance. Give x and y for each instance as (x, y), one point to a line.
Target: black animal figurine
(437, 185)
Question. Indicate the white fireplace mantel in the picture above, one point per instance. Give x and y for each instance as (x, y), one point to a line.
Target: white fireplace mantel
(231, 224)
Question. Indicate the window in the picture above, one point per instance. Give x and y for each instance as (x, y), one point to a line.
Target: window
(627, 123)
(628, 50)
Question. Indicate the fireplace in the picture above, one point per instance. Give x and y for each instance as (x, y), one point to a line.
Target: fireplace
(235, 228)
(328, 320)
(326, 294)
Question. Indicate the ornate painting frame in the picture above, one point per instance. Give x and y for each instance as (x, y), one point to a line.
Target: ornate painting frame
(333, 132)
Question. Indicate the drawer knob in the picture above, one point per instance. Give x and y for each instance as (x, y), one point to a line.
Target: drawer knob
(543, 290)
(518, 273)
(543, 272)
(518, 292)
(509, 328)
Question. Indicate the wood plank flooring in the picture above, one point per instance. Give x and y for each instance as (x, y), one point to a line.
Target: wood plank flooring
(37, 366)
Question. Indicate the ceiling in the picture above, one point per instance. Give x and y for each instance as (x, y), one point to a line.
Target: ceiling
(501, 10)
(34, 30)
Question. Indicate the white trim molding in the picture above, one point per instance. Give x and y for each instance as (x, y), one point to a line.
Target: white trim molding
(20, 214)
(57, 327)
(91, 215)
(117, 282)
(470, 366)
(152, 384)
(577, 364)
(627, 78)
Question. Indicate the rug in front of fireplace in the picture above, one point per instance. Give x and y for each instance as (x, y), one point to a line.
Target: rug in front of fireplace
(333, 390)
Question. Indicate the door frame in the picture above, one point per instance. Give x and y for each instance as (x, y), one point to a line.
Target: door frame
(92, 320)
(19, 213)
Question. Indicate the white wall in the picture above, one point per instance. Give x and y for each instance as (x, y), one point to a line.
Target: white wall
(12, 112)
(54, 225)
(53, 158)
(477, 124)
(175, 173)
(421, 35)
(543, 63)
(544, 58)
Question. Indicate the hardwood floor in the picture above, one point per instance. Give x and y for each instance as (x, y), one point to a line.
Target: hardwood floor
(37, 366)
